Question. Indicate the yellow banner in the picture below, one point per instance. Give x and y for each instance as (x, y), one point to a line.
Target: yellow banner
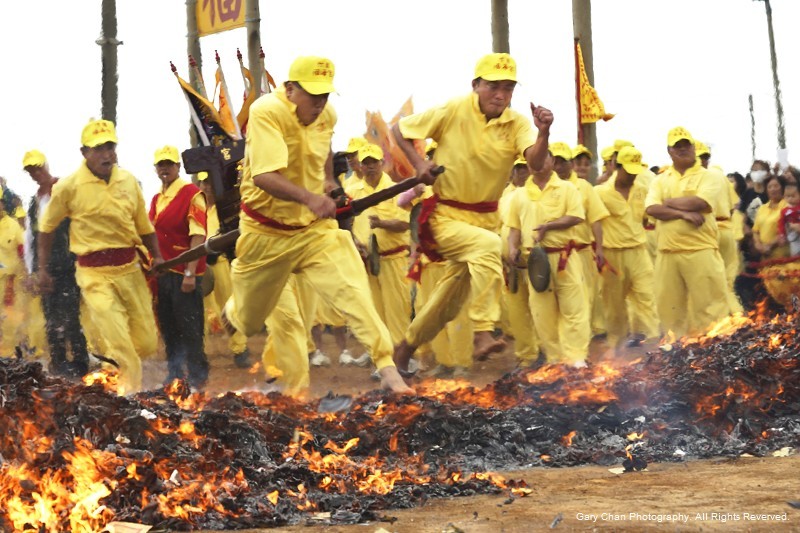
(214, 16)
(591, 107)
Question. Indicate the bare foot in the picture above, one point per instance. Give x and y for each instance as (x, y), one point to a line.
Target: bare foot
(402, 355)
(483, 345)
(392, 382)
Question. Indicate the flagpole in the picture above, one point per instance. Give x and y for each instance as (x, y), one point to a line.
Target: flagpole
(195, 119)
(241, 71)
(264, 80)
(200, 85)
(224, 90)
(582, 29)
(578, 89)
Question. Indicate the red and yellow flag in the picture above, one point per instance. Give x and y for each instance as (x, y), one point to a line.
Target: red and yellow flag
(590, 107)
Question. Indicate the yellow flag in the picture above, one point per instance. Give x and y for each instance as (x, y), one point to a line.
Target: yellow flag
(214, 16)
(590, 106)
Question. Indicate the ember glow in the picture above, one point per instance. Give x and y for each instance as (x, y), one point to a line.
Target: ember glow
(77, 457)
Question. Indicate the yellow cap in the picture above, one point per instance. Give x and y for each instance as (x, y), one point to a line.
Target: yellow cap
(19, 212)
(98, 132)
(521, 161)
(630, 159)
(678, 134)
(607, 153)
(314, 74)
(202, 175)
(619, 144)
(561, 150)
(432, 145)
(33, 158)
(355, 144)
(580, 150)
(166, 153)
(701, 148)
(495, 67)
(370, 150)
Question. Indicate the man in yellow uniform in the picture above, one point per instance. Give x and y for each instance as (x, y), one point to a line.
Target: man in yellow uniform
(526, 343)
(479, 137)
(388, 224)
(221, 270)
(11, 273)
(728, 246)
(178, 213)
(546, 212)
(628, 278)
(351, 154)
(690, 275)
(287, 223)
(588, 234)
(582, 161)
(108, 221)
(63, 324)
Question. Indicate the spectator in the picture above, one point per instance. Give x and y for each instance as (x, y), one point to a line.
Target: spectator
(765, 226)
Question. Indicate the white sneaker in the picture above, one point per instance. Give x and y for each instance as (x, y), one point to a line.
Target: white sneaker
(319, 359)
(346, 358)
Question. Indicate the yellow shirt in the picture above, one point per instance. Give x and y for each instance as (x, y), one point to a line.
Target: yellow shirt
(766, 226)
(11, 238)
(679, 235)
(102, 215)
(624, 227)
(505, 202)
(386, 210)
(478, 155)
(164, 198)
(278, 142)
(726, 200)
(531, 207)
(592, 207)
(212, 221)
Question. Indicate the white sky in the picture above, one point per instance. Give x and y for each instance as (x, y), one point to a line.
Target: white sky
(658, 64)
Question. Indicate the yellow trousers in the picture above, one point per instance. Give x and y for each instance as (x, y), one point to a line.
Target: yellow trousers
(526, 342)
(452, 346)
(631, 286)
(120, 305)
(690, 290)
(327, 258)
(473, 271)
(391, 293)
(286, 348)
(652, 244)
(729, 251)
(237, 343)
(593, 284)
(560, 313)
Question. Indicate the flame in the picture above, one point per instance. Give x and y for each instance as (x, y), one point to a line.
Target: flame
(636, 436)
(106, 378)
(255, 369)
(567, 439)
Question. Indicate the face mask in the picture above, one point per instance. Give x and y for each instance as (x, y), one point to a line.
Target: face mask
(758, 175)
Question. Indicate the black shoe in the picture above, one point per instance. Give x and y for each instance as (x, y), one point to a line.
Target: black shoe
(600, 337)
(243, 359)
(635, 341)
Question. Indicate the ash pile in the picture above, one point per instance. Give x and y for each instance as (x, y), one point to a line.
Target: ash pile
(79, 457)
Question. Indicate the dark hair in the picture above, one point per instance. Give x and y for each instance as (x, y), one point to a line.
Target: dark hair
(791, 185)
(780, 179)
(764, 164)
(654, 169)
(739, 184)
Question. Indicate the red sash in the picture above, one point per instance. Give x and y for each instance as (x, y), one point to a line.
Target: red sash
(565, 253)
(265, 220)
(427, 242)
(109, 257)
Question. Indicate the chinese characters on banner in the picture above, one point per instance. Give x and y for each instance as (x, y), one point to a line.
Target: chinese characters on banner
(214, 16)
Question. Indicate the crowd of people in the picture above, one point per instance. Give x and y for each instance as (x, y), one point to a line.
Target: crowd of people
(441, 269)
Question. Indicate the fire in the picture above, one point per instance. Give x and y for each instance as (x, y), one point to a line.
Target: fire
(106, 378)
(636, 436)
(567, 439)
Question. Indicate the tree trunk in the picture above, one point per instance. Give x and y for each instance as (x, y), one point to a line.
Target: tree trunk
(500, 26)
(253, 25)
(582, 29)
(108, 43)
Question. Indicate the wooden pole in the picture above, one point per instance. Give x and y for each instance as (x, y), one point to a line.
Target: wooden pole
(193, 50)
(775, 81)
(108, 43)
(500, 27)
(253, 25)
(582, 29)
(752, 128)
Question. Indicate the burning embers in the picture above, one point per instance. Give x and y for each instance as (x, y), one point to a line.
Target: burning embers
(75, 458)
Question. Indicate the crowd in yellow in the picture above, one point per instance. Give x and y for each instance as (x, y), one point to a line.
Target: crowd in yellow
(442, 269)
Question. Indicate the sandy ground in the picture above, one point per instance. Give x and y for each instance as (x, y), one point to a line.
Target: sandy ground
(709, 495)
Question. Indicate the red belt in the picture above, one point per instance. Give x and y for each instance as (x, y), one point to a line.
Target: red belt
(722, 219)
(396, 250)
(266, 221)
(427, 242)
(565, 253)
(109, 257)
